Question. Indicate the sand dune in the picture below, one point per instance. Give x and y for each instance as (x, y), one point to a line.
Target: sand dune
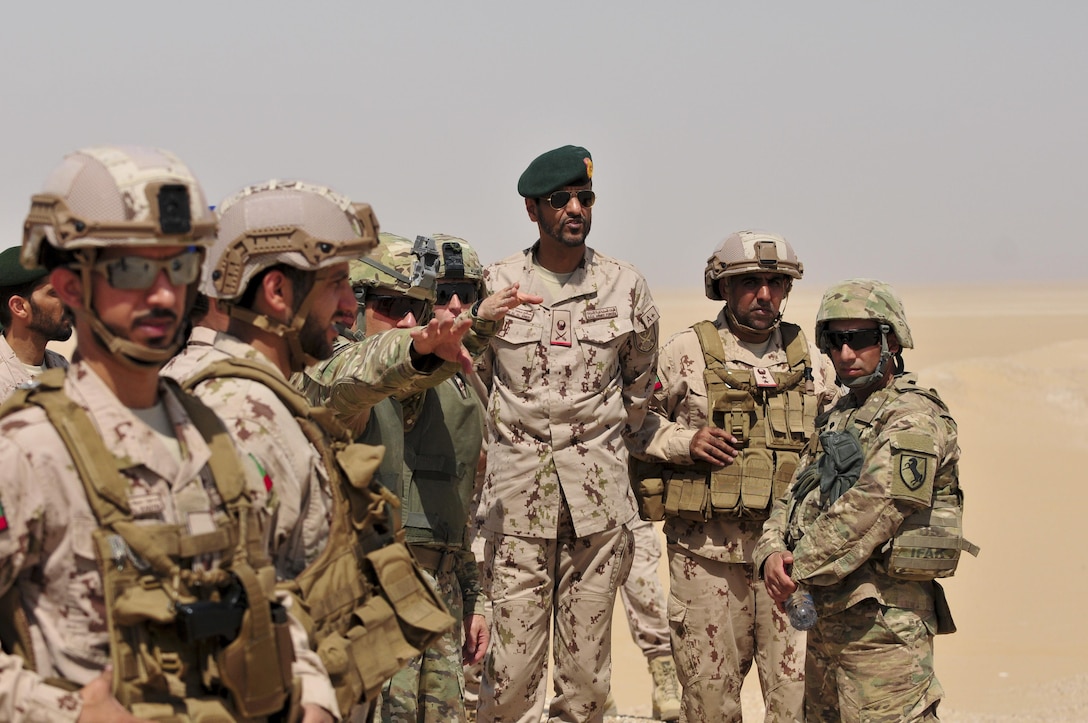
(1011, 361)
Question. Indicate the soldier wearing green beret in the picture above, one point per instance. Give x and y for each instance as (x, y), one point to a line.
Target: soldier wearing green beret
(31, 316)
(568, 379)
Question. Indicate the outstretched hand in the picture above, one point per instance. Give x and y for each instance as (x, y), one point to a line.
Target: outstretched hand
(442, 336)
(495, 307)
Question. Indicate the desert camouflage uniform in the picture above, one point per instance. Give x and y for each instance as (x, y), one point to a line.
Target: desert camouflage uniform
(721, 616)
(13, 372)
(47, 552)
(568, 380)
(871, 652)
(642, 595)
(266, 431)
(432, 445)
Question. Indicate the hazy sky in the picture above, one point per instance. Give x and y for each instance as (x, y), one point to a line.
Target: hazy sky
(913, 141)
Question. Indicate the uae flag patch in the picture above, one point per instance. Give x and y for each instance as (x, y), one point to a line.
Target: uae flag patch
(3, 518)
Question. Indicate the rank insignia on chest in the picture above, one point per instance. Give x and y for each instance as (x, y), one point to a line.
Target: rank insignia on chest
(561, 331)
(764, 378)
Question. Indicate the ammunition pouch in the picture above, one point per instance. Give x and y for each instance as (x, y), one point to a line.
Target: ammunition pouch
(928, 543)
(648, 486)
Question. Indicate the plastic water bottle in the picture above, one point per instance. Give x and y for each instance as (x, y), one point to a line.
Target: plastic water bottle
(801, 609)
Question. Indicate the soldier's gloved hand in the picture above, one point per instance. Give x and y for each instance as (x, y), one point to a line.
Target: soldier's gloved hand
(494, 307)
(99, 705)
(442, 336)
(713, 445)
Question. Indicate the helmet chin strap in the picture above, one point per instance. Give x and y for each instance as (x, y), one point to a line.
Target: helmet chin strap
(749, 333)
(289, 330)
(128, 352)
(881, 367)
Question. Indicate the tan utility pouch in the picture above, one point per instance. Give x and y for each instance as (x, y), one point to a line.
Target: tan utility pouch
(686, 493)
(256, 666)
(648, 486)
(929, 542)
(422, 615)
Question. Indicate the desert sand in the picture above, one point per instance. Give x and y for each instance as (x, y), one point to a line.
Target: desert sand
(1011, 361)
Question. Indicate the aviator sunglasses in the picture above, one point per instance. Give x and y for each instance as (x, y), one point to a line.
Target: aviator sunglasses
(465, 291)
(397, 307)
(856, 339)
(136, 273)
(560, 199)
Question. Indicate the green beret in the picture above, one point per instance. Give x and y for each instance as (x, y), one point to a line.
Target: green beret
(566, 166)
(12, 273)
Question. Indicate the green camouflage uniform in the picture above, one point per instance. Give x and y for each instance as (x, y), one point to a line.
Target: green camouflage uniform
(870, 656)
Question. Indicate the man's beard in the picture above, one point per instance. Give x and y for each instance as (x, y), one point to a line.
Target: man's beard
(556, 232)
(314, 340)
(59, 330)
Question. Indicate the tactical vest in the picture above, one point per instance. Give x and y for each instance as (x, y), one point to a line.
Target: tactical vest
(364, 602)
(185, 644)
(771, 414)
(430, 461)
(929, 541)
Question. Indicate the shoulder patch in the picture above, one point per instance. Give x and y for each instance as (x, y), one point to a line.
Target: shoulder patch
(914, 467)
(646, 341)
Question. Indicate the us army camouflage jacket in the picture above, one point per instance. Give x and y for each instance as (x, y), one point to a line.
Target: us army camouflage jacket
(12, 371)
(568, 379)
(679, 409)
(839, 550)
(296, 487)
(362, 373)
(46, 550)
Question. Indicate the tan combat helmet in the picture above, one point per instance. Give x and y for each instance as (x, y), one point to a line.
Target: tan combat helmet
(750, 252)
(118, 196)
(459, 261)
(301, 225)
(871, 300)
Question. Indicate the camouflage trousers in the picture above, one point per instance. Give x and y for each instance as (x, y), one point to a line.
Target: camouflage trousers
(722, 620)
(535, 582)
(642, 595)
(432, 687)
(872, 663)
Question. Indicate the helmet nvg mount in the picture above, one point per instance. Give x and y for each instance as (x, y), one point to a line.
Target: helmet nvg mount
(110, 196)
(750, 252)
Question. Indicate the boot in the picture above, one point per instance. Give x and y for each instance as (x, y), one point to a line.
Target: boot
(666, 696)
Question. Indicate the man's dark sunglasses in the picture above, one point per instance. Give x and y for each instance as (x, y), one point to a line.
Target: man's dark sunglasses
(397, 307)
(560, 199)
(465, 291)
(856, 339)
